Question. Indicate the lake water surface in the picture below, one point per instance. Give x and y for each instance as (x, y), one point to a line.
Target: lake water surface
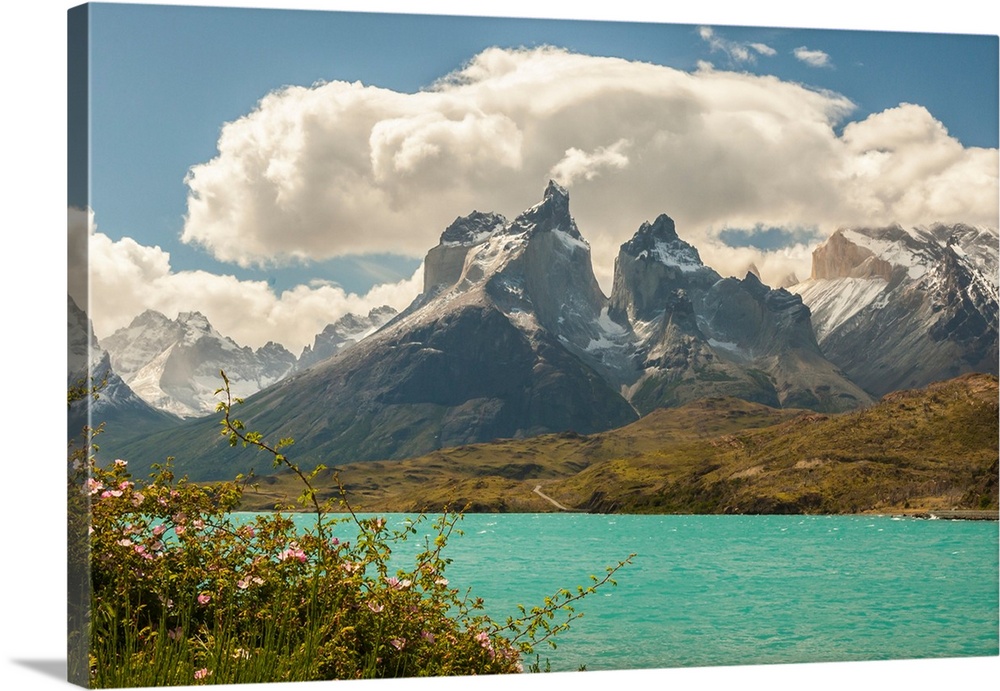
(718, 590)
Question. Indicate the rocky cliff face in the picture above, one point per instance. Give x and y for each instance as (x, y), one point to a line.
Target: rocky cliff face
(931, 315)
(444, 264)
(512, 337)
(651, 267)
(838, 257)
(548, 272)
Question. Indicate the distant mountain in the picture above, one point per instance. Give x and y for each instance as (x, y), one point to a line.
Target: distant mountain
(511, 337)
(902, 307)
(343, 333)
(173, 364)
(88, 365)
(495, 346)
(483, 352)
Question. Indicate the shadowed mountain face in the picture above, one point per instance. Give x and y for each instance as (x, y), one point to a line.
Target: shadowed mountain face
(651, 267)
(343, 333)
(899, 308)
(174, 364)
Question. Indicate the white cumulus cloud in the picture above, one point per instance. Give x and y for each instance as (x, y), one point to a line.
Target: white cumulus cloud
(345, 169)
(814, 58)
(577, 164)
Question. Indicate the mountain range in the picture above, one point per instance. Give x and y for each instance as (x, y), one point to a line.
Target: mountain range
(173, 364)
(512, 337)
(115, 403)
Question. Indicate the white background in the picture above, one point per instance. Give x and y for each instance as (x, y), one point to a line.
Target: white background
(32, 163)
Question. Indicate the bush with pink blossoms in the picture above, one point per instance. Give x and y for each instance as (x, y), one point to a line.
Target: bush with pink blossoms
(184, 591)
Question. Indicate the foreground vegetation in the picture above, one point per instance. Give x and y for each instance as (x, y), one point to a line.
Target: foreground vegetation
(181, 591)
(913, 451)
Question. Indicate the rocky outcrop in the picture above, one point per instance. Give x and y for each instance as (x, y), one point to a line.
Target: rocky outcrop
(500, 347)
(445, 263)
(838, 257)
(551, 275)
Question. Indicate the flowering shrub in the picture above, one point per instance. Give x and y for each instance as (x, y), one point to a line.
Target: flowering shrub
(183, 591)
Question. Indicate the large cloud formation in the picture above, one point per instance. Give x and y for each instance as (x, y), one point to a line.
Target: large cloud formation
(126, 278)
(343, 168)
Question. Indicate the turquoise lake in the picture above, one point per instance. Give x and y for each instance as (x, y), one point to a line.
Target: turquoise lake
(720, 590)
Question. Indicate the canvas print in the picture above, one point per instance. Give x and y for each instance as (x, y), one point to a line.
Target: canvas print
(413, 345)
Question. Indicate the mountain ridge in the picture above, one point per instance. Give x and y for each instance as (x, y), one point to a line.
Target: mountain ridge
(512, 337)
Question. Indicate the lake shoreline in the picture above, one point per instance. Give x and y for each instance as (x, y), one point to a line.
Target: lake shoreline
(922, 514)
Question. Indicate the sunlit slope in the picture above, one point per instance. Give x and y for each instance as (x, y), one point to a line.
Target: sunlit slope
(914, 450)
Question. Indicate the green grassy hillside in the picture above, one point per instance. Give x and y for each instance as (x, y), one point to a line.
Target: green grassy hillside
(928, 449)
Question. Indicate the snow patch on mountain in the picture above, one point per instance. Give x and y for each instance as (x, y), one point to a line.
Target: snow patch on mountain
(896, 253)
(570, 242)
(671, 254)
(834, 301)
(900, 308)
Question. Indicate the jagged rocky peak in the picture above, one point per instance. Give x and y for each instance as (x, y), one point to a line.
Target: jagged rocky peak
(757, 317)
(552, 213)
(652, 265)
(472, 229)
(275, 350)
(901, 307)
(382, 314)
(679, 311)
(542, 267)
(149, 318)
(788, 280)
(173, 364)
(752, 284)
(658, 242)
(196, 319)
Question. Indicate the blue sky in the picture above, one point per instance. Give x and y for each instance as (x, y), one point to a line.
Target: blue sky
(165, 79)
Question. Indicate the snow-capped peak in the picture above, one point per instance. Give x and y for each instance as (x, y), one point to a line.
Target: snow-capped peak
(893, 244)
(173, 364)
(658, 241)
